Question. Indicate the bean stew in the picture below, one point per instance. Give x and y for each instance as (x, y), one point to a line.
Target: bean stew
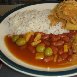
(44, 50)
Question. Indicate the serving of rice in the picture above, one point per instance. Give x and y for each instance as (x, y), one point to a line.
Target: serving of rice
(33, 20)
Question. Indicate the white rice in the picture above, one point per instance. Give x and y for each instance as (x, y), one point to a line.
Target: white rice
(33, 20)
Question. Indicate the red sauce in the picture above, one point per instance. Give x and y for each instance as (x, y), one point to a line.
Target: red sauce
(27, 54)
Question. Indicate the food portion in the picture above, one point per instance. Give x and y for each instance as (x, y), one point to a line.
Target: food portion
(45, 38)
(33, 20)
(66, 13)
(49, 49)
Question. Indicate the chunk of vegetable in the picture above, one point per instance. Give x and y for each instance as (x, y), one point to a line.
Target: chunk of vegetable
(39, 56)
(55, 58)
(40, 48)
(75, 39)
(75, 48)
(15, 37)
(65, 48)
(74, 45)
(38, 37)
(21, 41)
(35, 43)
(28, 35)
(48, 51)
(70, 26)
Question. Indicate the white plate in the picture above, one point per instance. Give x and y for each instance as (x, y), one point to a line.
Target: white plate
(19, 65)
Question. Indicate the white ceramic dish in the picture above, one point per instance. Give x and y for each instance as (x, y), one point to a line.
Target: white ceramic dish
(19, 65)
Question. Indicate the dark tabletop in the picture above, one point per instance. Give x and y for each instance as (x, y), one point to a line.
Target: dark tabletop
(8, 72)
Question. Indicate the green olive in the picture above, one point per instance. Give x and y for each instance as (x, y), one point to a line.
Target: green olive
(40, 48)
(21, 41)
(15, 37)
(48, 51)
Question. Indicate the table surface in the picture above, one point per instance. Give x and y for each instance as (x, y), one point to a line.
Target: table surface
(5, 71)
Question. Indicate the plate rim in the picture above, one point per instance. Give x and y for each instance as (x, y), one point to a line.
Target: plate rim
(5, 60)
(31, 72)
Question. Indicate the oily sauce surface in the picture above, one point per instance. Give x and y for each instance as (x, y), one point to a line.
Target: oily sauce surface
(23, 54)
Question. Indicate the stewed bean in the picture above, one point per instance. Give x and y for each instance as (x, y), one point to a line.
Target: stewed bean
(55, 38)
(58, 43)
(48, 47)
